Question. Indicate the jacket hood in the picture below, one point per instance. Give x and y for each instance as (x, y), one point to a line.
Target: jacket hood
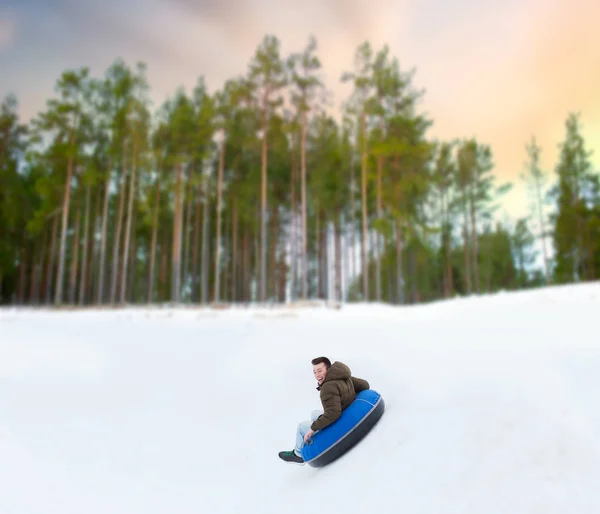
(337, 371)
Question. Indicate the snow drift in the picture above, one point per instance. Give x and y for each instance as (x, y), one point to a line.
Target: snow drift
(491, 406)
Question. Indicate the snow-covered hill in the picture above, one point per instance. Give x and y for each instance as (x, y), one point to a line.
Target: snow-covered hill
(492, 407)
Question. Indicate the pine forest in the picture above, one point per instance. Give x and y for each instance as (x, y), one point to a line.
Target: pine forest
(256, 192)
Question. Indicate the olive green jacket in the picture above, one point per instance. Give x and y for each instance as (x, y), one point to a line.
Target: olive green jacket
(337, 391)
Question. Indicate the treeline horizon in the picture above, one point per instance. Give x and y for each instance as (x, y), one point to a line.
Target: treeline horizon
(254, 193)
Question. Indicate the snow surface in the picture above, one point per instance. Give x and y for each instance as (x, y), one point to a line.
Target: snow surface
(492, 407)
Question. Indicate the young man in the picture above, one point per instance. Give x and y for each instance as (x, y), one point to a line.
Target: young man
(338, 389)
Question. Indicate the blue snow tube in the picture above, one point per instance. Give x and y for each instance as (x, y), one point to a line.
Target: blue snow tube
(354, 423)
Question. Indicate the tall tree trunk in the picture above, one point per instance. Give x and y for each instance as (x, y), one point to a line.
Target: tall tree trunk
(177, 223)
(58, 297)
(447, 247)
(294, 214)
(401, 297)
(263, 203)
(272, 278)
(303, 200)
(218, 229)
(412, 265)
(196, 244)
(22, 283)
(245, 264)
(75, 259)
(324, 257)
(345, 258)
(117, 243)
(224, 269)
(127, 242)
(466, 240)
(37, 269)
(133, 276)
(93, 252)
(317, 255)
(378, 235)
(337, 236)
(153, 243)
(234, 256)
(164, 266)
(590, 251)
(103, 237)
(205, 241)
(353, 267)
(86, 244)
(542, 229)
(474, 246)
(365, 268)
(449, 272)
(94, 248)
(188, 233)
(51, 260)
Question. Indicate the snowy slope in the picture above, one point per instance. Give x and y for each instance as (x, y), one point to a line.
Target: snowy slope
(492, 407)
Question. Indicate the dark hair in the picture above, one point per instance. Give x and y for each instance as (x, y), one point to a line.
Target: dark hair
(319, 360)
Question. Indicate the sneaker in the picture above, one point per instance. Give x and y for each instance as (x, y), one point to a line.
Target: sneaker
(291, 457)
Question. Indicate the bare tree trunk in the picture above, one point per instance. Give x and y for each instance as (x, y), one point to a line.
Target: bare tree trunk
(365, 272)
(272, 252)
(245, 264)
(225, 269)
(474, 246)
(345, 258)
(205, 241)
(93, 254)
(353, 267)
(542, 228)
(164, 265)
(317, 253)
(257, 264)
(263, 203)
(466, 251)
(188, 235)
(177, 222)
(86, 244)
(378, 237)
(338, 257)
(218, 231)
(293, 236)
(21, 286)
(37, 269)
(58, 298)
(449, 265)
(590, 251)
(153, 243)
(401, 297)
(75, 259)
(103, 237)
(324, 257)
(51, 261)
(127, 242)
(196, 244)
(117, 243)
(303, 200)
(133, 276)
(234, 256)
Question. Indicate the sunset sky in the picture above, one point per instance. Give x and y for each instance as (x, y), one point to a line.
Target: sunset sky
(498, 71)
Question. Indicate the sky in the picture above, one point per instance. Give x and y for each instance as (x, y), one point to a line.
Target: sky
(501, 72)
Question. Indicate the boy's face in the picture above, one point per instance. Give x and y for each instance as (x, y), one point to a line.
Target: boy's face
(320, 372)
